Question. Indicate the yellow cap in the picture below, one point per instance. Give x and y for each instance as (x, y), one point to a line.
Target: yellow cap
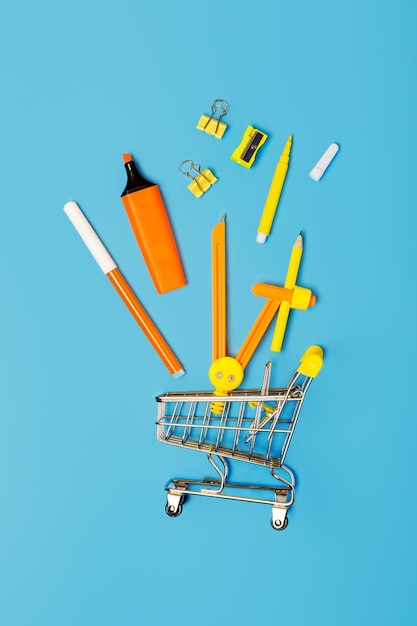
(311, 362)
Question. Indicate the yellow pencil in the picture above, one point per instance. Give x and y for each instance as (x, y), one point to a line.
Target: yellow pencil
(290, 281)
(274, 194)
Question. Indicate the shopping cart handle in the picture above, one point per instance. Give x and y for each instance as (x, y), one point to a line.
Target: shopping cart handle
(311, 362)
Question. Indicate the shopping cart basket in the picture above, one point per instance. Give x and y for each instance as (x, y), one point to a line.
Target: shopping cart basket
(255, 426)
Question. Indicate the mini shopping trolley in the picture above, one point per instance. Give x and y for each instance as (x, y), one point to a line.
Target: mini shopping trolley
(228, 423)
(255, 426)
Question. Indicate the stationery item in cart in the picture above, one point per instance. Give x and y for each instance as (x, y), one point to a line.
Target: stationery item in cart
(110, 269)
(201, 181)
(218, 269)
(210, 124)
(226, 372)
(274, 193)
(248, 148)
(290, 280)
(324, 162)
(150, 224)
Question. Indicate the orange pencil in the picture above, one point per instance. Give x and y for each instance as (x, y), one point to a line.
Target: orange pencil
(110, 269)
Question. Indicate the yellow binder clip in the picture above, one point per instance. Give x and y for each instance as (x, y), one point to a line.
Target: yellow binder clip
(248, 148)
(212, 126)
(201, 181)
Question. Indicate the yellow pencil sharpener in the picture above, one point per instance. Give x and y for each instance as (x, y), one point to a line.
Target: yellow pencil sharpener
(248, 148)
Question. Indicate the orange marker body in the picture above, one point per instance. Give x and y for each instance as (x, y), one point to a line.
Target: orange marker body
(150, 224)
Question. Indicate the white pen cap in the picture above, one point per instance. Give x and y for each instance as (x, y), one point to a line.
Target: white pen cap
(90, 237)
(324, 162)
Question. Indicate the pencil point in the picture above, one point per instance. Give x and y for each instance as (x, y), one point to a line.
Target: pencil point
(299, 241)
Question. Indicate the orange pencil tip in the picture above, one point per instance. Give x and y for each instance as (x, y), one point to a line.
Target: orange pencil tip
(127, 158)
(313, 300)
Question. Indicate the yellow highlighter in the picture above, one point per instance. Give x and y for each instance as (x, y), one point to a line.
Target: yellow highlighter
(290, 281)
(274, 194)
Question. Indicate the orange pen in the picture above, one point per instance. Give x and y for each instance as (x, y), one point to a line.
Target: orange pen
(218, 260)
(152, 229)
(110, 269)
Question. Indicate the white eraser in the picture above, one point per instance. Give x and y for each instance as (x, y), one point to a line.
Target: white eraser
(324, 162)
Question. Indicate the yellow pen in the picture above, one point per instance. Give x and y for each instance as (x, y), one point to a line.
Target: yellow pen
(274, 193)
(290, 280)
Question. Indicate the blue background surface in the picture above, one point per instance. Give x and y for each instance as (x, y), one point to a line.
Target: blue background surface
(84, 538)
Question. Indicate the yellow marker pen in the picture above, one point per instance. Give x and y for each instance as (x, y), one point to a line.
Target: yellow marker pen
(290, 280)
(274, 193)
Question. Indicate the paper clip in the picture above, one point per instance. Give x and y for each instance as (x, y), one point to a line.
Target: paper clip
(212, 126)
(248, 148)
(201, 181)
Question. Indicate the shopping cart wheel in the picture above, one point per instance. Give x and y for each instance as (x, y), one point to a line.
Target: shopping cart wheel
(173, 511)
(276, 525)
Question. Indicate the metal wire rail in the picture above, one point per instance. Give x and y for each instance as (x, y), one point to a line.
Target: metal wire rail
(255, 426)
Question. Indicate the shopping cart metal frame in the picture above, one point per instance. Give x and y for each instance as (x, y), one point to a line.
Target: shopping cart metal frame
(253, 426)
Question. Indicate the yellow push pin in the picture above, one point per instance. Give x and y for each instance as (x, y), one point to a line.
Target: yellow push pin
(201, 181)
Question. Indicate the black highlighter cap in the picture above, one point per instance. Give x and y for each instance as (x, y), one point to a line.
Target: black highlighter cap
(135, 181)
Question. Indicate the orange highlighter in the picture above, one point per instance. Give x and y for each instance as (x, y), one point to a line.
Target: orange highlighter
(110, 269)
(152, 229)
